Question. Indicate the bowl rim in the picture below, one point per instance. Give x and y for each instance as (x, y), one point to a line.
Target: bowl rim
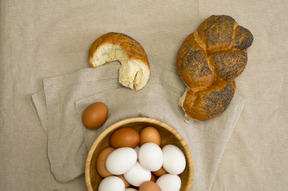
(122, 122)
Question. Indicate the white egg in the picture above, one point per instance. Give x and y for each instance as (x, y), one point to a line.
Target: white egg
(121, 160)
(174, 161)
(169, 182)
(137, 149)
(150, 156)
(137, 174)
(130, 189)
(111, 183)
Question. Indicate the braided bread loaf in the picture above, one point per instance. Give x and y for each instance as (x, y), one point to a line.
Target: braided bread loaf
(208, 62)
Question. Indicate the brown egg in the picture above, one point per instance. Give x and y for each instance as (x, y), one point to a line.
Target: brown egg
(101, 162)
(95, 115)
(153, 178)
(125, 137)
(149, 186)
(127, 184)
(160, 172)
(150, 134)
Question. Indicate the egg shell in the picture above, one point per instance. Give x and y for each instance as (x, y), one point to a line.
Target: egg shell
(137, 175)
(95, 115)
(160, 172)
(169, 182)
(137, 149)
(174, 161)
(150, 134)
(150, 156)
(101, 162)
(111, 183)
(121, 160)
(125, 137)
(130, 189)
(149, 186)
(127, 184)
(153, 178)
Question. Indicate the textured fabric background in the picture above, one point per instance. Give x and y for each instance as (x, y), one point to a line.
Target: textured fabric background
(41, 39)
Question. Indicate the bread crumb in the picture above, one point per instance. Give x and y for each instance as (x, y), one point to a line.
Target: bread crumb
(186, 121)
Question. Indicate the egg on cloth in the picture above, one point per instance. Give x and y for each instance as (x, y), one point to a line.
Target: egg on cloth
(95, 115)
(111, 183)
(121, 160)
(125, 137)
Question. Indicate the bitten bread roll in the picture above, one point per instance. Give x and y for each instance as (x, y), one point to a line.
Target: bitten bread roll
(135, 70)
(208, 62)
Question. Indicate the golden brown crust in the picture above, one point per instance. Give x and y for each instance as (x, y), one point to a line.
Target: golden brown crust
(210, 103)
(133, 49)
(217, 32)
(208, 62)
(192, 64)
(230, 65)
(243, 38)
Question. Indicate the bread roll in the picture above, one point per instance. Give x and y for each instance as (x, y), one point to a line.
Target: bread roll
(135, 70)
(208, 62)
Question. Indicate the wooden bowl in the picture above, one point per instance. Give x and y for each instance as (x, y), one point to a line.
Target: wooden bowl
(168, 136)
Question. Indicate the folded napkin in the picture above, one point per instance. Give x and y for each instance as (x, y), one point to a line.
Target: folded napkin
(61, 103)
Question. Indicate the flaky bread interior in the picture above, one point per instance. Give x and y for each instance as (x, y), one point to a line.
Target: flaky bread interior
(182, 99)
(133, 72)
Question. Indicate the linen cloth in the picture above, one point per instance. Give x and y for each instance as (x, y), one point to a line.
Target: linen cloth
(44, 39)
(67, 96)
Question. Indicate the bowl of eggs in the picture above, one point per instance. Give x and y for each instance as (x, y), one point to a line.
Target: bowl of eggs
(139, 154)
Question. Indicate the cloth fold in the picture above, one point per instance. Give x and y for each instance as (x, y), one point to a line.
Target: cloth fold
(64, 98)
